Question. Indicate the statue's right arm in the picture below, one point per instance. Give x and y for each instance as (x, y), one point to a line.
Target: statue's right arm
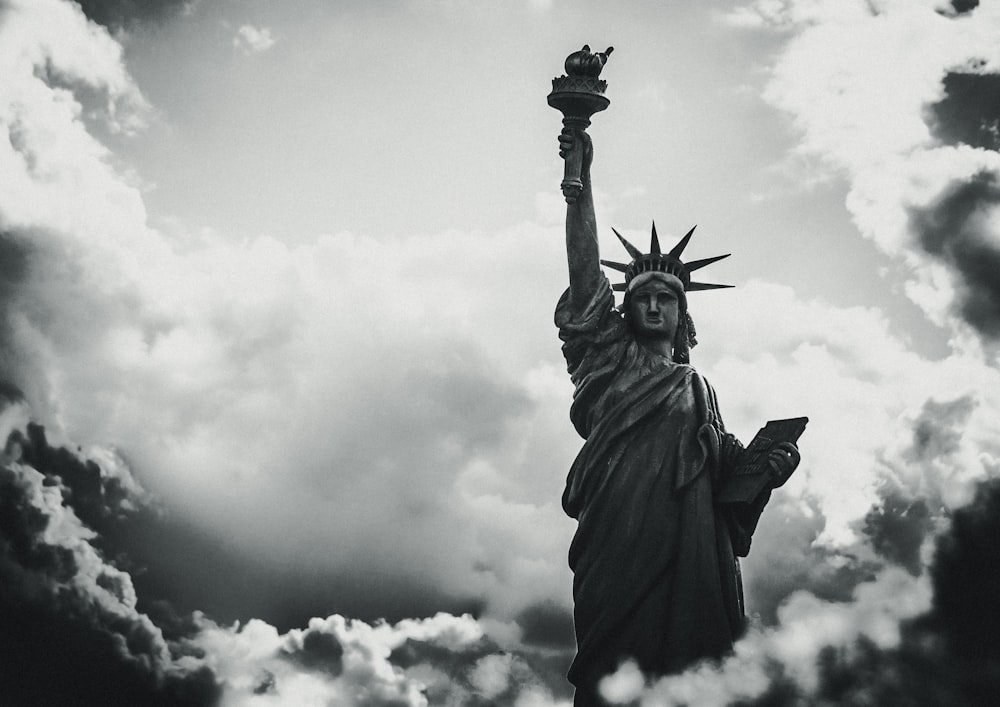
(582, 252)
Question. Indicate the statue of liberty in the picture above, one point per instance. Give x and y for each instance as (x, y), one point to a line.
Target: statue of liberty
(656, 575)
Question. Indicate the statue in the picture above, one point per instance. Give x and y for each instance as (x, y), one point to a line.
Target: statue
(656, 574)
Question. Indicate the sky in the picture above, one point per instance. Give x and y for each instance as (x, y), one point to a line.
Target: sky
(285, 413)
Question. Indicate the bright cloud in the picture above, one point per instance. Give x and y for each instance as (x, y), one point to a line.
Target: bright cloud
(859, 80)
(253, 40)
(394, 410)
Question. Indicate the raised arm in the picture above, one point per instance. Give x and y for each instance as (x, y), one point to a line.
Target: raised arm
(581, 226)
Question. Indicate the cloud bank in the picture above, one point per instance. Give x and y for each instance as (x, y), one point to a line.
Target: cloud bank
(873, 89)
(65, 604)
(881, 94)
(385, 435)
(297, 400)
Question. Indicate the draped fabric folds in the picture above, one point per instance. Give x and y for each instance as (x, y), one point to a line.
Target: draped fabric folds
(655, 575)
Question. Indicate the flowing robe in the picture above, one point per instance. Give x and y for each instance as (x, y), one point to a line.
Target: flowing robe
(656, 577)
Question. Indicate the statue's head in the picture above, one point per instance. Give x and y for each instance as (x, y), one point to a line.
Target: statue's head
(656, 286)
(653, 304)
(655, 307)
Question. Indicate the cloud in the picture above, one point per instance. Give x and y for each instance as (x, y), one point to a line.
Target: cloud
(943, 655)
(253, 40)
(787, 655)
(966, 574)
(63, 604)
(376, 426)
(63, 601)
(875, 89)
(292, 399)
(961, 7)
(969, 111)
(960, 229)
(898, 528)
(117, 14)
(826, 602)
(843, 599)
(875, 637)
(443, 659)
(547, 624)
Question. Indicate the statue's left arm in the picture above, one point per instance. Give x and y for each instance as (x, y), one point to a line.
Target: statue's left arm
(743, 519)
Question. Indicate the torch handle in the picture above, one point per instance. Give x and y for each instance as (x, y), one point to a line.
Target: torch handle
(572, 184)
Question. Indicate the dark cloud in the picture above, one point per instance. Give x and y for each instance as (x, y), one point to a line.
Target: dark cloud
(547, 624)
(524, 668)
(62, 643)
(95, 498)
(956, 230)
(960, 7)
(947, 656)
(787, 559)
(14, 264)
(52, 654)
(320, 651)
(78, 630)
(901, 521)
(897, 528)
(957, 8)
(969, 113)
(268, 684)
(126, 13)
(937, 431)
(178, 568)
(192, 569)
(415, 651)
(966, 578)
(9, 394)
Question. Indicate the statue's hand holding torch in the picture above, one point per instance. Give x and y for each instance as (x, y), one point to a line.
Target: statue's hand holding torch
(576, 147)
(578, 95)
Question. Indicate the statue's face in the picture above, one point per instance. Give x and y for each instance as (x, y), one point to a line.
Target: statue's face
(654, 310)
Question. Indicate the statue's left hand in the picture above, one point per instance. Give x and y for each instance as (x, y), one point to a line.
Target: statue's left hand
(783, 459)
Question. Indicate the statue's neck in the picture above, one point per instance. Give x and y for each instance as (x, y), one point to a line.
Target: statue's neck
(659, 346)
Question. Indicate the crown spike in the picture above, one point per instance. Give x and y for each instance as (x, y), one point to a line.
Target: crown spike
(632, 250)
(619, 286)
(620, 267)
(654, 242)
(698, 264)
(694, 286)
(679, 248)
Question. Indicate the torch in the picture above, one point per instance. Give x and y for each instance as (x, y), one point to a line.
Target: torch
(578, 95)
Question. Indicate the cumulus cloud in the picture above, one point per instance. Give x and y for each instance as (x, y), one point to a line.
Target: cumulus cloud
(364, 421)
(855, 606)
(880, 94)
(906, 600)
(969, 110)
(64, 601)
(253, 40)
(332, 660)
(296, 400)
(441, 660)
(960, 229)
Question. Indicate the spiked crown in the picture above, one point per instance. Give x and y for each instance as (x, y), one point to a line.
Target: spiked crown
(656, 261)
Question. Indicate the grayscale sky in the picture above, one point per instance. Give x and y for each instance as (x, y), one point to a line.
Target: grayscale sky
(290, 268)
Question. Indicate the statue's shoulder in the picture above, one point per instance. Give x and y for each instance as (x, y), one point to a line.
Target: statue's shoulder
(695, 374)
(696, 378)
(600, 314)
